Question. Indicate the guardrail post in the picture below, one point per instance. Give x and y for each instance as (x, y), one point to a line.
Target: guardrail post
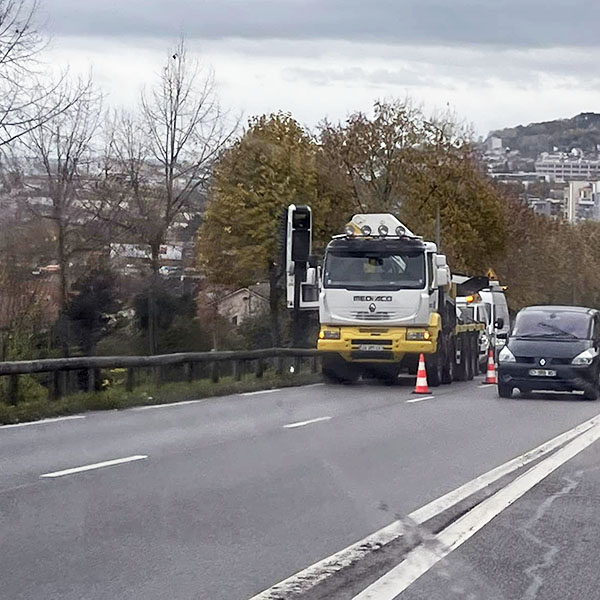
(188, 369)
(13, 389)
(238, 368)
(58, 384)
(260, 368)
(215, 372)
(91, 380)
(279, 365)
(130, 382)
(297, 364)
(315, 364)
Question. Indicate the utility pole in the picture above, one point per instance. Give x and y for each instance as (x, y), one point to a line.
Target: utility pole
(438, 236)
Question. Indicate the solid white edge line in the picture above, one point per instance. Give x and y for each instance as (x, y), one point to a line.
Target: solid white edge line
(303, 423)
(42, 421)
(100, 465)
(307, 578)
(424, 557)
(420, 399)
(260, 392)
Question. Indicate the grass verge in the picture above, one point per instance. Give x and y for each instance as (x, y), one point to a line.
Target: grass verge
(119, 398)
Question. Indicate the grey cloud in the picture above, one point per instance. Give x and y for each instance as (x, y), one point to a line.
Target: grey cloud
(512, 23)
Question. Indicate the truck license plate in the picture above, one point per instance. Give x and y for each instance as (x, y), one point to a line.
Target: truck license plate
(542, 372)
(371, 347)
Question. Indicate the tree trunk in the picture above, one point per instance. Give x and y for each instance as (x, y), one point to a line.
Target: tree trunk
(274, 296)
(152, 315)
(64, 288)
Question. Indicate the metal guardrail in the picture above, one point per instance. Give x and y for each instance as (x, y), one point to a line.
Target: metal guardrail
(91, 364)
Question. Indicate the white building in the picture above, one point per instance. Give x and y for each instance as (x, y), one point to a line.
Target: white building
(565, 167)
(583, 200)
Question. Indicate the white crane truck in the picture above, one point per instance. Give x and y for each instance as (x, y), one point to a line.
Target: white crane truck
(386, 296)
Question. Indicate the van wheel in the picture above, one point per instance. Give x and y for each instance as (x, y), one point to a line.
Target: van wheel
(505, 390)
(591, 393)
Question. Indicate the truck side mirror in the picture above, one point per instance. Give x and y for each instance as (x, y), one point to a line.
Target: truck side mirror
(313, 260)
(499, 323)
(441, 276)
(502, 336)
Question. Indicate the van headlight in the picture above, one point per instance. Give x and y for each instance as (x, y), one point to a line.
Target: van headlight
(585, 358)
(506, 355)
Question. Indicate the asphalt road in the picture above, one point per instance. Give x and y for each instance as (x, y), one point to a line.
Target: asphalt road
(225, 497)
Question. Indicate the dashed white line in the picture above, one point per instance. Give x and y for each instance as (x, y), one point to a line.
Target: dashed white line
(484, 385)
(42, 422)
(100, 465)
(260, 392)
(419, 399)
(170, 404)
(424, 557)
(303, 423)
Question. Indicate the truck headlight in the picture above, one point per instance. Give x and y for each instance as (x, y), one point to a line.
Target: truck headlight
(419, 336)
(506, 355)
(585, 358)
(329, 334)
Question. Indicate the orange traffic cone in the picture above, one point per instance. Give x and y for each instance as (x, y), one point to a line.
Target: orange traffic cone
(421, 386)
(490, 376)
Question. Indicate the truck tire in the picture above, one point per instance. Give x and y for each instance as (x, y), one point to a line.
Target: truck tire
(474, 351)
(336, 371)
(449, 363)
(434, 363)
(461, 373)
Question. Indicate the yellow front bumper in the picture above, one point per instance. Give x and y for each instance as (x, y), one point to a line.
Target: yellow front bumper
(392, 339)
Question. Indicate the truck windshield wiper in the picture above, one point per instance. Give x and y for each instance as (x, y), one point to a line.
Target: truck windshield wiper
(557, 330)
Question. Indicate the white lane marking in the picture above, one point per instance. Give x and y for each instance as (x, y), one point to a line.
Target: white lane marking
(42, 421)
(170, 404)
(420, 399)
(304, 580)
(303, 423)
(484, 385)
(422, 558)
(312, 385)
(100, 465)
(260, 392)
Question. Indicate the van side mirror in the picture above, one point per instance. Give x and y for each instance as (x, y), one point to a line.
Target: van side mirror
(499, 323)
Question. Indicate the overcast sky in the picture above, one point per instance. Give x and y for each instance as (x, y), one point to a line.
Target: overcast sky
(495, 63)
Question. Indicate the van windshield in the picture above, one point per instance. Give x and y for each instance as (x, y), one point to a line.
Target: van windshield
(559, 324)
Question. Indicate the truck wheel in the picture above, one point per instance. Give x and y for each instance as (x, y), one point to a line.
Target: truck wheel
(468, 361)
(474, 356)
(434, 363)
(449, 364)
(461, 368)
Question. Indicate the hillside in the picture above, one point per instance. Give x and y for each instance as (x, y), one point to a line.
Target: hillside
(582, 131)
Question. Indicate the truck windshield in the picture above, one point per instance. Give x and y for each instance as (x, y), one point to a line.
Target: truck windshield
(377, 271)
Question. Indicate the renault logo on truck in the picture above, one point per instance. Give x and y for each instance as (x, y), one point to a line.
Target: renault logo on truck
(372, 298)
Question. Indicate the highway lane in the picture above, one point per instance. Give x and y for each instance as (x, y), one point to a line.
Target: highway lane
(229, 501)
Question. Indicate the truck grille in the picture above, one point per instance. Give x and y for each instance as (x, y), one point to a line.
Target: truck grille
(378, 316)
(373, 340)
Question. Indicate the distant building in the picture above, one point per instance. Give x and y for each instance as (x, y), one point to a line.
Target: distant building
(582, 200)
(494, 143)
(246, 302)
(566, 167)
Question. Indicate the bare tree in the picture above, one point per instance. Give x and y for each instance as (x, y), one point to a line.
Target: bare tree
(158, 165)
(27, 97)
(61, 150)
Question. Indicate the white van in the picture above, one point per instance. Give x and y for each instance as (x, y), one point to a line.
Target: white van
(497, 307)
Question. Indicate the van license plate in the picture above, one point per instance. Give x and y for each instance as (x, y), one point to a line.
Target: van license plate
(371, 347)
(542, 372)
